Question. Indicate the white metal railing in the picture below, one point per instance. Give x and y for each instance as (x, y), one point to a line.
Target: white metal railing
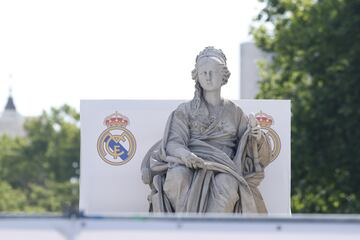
(143, 226)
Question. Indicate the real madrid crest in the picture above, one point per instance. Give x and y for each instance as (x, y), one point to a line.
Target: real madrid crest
(116, 145)
(266, 121)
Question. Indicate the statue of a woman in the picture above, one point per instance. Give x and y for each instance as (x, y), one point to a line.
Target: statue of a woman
(212, 156)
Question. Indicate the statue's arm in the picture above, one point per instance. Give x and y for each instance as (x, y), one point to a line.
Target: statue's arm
(254, 149)
(178, 135)
(178, 140)
(264, 150)
(257, 151)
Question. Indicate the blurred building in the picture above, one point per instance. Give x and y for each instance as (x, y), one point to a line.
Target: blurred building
(249, 71)
(11, 122)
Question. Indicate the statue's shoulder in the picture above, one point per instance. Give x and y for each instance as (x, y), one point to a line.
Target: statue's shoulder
(232, 107)
(235, 112)
(184, 107)
(183, 110)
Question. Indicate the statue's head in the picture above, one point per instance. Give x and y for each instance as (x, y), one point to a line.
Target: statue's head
(211, 59)
(211, 63)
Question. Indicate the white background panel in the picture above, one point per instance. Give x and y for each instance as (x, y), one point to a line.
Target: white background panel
(107, 189)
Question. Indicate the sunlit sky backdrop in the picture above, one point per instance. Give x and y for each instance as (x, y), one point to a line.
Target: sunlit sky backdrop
(62, 51)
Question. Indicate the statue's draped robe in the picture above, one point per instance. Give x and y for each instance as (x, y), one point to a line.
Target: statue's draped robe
(223, 142)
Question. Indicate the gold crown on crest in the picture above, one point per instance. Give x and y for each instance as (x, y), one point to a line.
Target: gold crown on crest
(116, 120)
(265, 120)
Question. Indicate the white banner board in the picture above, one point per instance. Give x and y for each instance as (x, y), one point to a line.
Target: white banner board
(109, 186)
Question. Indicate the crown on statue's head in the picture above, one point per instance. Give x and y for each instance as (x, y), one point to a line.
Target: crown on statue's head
(116, 120)
(212, 52)
(265, 120)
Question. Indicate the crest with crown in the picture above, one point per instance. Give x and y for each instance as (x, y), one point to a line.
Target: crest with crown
(116, 120)
(212, 52)
(265, 120)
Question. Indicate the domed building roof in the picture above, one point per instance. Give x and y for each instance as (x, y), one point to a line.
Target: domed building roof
(11, 122)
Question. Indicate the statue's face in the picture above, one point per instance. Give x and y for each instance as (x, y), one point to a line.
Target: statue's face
(210, 74)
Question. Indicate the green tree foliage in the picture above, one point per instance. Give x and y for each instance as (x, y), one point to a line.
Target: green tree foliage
(39, 172)
(316, 59)
(11, 199)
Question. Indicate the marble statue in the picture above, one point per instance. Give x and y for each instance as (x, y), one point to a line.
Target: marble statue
(212, 156)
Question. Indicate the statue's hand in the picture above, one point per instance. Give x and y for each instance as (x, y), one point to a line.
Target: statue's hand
(198, 162)
(192, 161)
(256, 133)
(255, 128)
